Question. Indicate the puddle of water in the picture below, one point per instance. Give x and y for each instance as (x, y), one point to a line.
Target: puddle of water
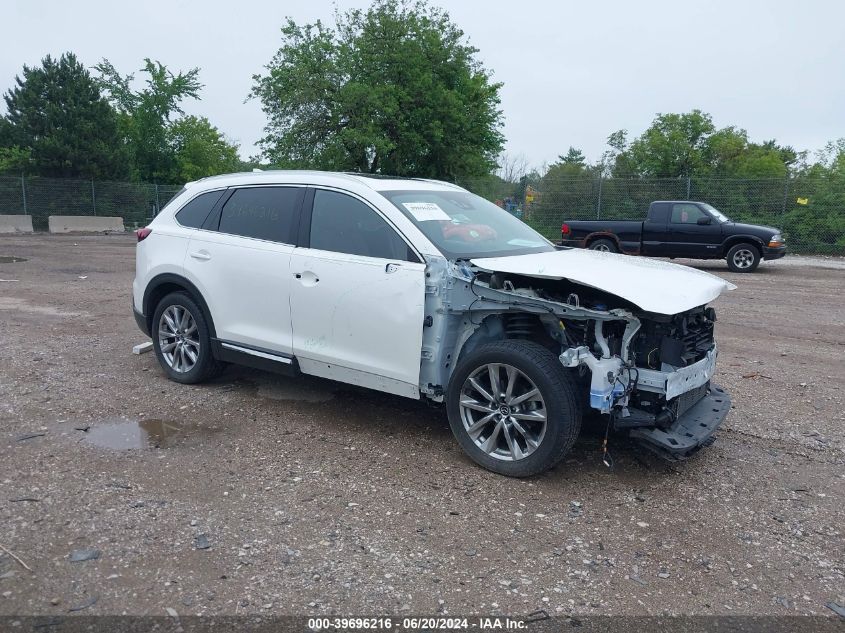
(5, 259)
(123, 434)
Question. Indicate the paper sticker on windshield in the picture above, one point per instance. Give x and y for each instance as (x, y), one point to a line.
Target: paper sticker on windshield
(423, 211)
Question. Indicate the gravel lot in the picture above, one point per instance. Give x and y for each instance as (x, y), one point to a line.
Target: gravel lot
(262, 494)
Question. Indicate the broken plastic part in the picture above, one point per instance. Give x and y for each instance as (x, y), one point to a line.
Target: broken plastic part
(605, 386)
(599, 330)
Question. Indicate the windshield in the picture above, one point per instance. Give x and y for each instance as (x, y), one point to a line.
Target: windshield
(721, 217)
(462, 225)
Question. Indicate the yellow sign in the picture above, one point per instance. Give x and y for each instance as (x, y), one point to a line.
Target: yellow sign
(803, 201)
(529, 198)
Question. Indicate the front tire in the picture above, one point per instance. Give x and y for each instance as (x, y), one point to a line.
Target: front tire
(182, 340)
(513, 408)
(743, 258)
(605, 246)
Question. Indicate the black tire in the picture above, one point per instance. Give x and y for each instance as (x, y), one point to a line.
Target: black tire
(608, 246)
(558, 389)
(743, 258)
(206, 366)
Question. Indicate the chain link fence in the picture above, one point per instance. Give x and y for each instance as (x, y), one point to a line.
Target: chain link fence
(135, 202)
(810, 212)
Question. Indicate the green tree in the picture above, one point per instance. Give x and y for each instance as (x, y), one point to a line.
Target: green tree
(817, 223)
(146, 114)
(617, 160)
(566, 191)
(58, 124)
(686, 145)
(673, 145)
(728, 153)
(393, 89)
(573, 157)
(14, 159)
(200, 150)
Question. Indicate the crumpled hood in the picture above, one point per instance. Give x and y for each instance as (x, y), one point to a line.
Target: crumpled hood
(653, 285)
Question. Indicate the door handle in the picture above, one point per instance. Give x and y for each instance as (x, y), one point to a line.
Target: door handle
(391, 268)
(307, 278)
(200, 255)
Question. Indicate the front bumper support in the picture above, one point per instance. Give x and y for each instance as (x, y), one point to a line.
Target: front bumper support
(691, 431)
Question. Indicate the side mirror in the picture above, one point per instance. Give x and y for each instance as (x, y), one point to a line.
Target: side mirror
(704, 220)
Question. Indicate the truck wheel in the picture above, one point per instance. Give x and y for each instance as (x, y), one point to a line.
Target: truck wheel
(181, 340)
(743, 258)
(513, 408)
(606, 246)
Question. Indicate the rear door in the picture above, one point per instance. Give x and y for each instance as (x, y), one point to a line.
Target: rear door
(685, 237)
(357, 296)
(240, 261)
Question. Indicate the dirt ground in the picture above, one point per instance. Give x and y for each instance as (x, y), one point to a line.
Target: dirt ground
(262, 494)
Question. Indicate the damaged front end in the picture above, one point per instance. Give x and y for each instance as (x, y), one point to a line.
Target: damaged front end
(649, 373)
(652, 375)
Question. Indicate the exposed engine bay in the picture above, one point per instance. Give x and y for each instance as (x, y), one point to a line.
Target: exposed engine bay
(646, 371)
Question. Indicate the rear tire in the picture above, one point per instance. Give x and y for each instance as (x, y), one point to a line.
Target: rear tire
(510, 430)
(182, 340)
(605, 246)
(743, 258)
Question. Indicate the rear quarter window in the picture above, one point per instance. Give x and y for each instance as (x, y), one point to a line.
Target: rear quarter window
(193, 214)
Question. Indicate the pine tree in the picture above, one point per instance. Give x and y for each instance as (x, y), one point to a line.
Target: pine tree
(58, 118)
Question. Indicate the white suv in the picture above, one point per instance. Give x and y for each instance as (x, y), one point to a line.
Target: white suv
(422, 289)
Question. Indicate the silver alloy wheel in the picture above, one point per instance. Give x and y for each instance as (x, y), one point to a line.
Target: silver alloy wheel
(604, 248)
(743, 258)
(179, 339)
(503, 412)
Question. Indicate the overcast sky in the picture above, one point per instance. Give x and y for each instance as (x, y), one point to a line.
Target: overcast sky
(573, 72)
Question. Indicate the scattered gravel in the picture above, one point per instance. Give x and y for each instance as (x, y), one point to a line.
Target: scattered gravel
(347, 501)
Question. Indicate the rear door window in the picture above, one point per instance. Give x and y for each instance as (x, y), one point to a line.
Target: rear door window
(264, 213)
(193, 214)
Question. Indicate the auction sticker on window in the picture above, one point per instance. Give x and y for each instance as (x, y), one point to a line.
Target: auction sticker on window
(424, 211)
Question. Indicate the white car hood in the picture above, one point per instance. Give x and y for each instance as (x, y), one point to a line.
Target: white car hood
(653, 285)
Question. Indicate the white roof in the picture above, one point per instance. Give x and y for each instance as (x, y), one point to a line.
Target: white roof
(328, 178)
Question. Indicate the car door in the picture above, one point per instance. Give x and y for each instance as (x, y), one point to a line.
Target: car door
(685, 237)
(654, 230)
(357, 296)
(240, 261)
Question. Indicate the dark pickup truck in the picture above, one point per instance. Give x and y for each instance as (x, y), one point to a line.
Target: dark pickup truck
(680, 228)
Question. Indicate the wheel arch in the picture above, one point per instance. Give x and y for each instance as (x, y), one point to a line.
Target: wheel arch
(602, 235)
(165, 283)
(503, 326)
(733, 240)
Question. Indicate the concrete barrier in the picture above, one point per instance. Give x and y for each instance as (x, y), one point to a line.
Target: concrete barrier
(84, 224)
(15, 224)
